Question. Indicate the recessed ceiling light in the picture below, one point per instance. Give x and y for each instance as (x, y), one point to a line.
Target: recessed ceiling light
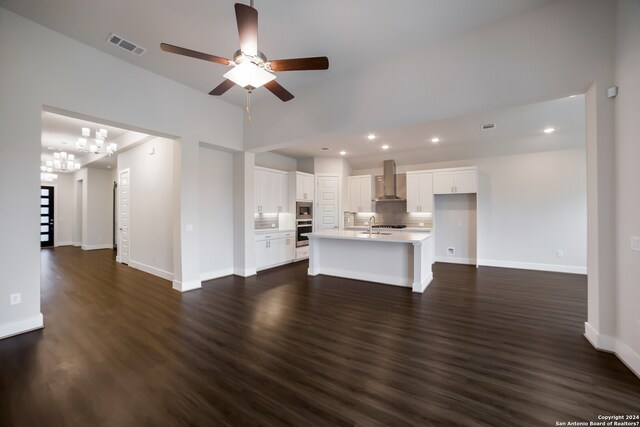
(435, 140)
(385, 147)
(371, 136)
(549, 130)
(342, 153)
(325, 148)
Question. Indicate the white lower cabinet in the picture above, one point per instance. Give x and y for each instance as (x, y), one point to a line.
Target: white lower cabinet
(274, 249)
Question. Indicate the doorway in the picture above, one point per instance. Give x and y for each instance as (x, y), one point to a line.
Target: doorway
(46, 216)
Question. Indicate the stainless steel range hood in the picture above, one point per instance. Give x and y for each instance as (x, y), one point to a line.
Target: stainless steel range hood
(390, 188)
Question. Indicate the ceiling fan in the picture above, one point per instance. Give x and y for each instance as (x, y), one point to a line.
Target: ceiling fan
(251, 69)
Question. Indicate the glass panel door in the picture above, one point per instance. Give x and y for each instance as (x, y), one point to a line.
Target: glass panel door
(46, 216)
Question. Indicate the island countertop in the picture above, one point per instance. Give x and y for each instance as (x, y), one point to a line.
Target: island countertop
(384, 236)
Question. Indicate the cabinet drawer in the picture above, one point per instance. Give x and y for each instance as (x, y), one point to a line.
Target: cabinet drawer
(302, 253)
(286, 234)
(266, 236)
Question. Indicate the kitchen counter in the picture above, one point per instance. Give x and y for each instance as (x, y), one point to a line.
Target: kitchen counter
(366, 227)
(399, 258)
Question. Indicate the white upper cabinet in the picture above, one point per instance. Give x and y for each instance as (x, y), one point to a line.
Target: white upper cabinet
(271, 191)
(452, 181)
(304, 186)
(360, 193)
(419, 191)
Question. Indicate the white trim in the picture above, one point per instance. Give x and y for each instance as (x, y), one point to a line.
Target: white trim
(574, 269)
(244, 272)
(76, 244)
(612, 345)
(455, 260)
(64, 244)
(367, 277)
(151, 270)
(188, 286)
(421, 287)
(21, 326)
(94, 247)
(210, 275)
(267, 267)
(628, 357)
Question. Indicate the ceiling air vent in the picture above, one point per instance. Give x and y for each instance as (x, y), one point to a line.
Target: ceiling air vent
(488, 126)
(126, 44)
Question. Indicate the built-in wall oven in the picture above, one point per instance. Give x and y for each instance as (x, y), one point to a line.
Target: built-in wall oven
(303, 226)
(304, 210)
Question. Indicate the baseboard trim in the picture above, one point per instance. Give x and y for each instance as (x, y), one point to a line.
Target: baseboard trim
(77, 244)
(186, 286)
(556, 268)
(245, 272)
(64, 244)
(210, 275)
(612, 345)
(22, 326)
(455, 260)
(151, 270)
(420, 288)
(94, 247)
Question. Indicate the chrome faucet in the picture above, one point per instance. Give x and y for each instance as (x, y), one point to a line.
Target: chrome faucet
(372, 219)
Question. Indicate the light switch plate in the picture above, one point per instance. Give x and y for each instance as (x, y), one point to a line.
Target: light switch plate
(635, 243)
(189, 227)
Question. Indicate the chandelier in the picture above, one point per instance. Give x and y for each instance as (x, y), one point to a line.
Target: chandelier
(62, 162)
(96, 145)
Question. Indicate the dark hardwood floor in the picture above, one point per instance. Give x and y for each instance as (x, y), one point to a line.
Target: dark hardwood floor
(482, 346)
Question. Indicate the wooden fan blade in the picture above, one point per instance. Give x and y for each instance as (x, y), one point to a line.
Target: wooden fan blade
(277, 89)
(222, 87)
(247, 18)
(300, 64)
(193, 53)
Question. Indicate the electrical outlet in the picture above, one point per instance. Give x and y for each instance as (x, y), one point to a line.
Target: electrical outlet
(366, 223)
(15, 299)
(451, 251)
(560, 253)
(189, 228)
(273, 226)
(421, 224)
(635, 243)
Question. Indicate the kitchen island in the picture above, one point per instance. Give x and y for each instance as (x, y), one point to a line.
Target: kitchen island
(399, 258)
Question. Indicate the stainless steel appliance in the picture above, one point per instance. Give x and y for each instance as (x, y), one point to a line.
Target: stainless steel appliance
(304, 210)
(303, 226)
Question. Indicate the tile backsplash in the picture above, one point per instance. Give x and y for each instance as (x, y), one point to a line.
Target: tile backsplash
(265, 221)
(391, 213)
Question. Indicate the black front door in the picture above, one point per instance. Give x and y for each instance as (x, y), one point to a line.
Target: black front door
(46, 216)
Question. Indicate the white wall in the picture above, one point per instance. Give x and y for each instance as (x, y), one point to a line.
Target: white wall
(216, 212)
(150, 205)
(529, 206)
(99, 220)
(63, 73)
(276, 161)
(627, 129)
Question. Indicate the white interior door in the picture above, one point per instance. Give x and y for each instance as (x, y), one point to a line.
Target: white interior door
(327, 214)
(124, 195)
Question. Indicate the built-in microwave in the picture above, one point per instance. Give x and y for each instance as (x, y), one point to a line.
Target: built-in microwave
(304, 210)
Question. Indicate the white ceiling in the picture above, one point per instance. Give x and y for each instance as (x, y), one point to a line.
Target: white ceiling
(518, 130)
(60, 133)
(351, 33)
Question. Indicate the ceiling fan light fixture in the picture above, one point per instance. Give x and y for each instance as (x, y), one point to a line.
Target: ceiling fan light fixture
(249, 74)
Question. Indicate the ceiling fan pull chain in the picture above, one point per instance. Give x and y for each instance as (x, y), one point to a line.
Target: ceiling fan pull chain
(249, 106)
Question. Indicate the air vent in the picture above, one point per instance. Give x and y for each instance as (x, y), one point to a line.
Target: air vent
(488, 126)
(126, 44)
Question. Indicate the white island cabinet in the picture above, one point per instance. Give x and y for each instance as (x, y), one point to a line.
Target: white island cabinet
(394, 258)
